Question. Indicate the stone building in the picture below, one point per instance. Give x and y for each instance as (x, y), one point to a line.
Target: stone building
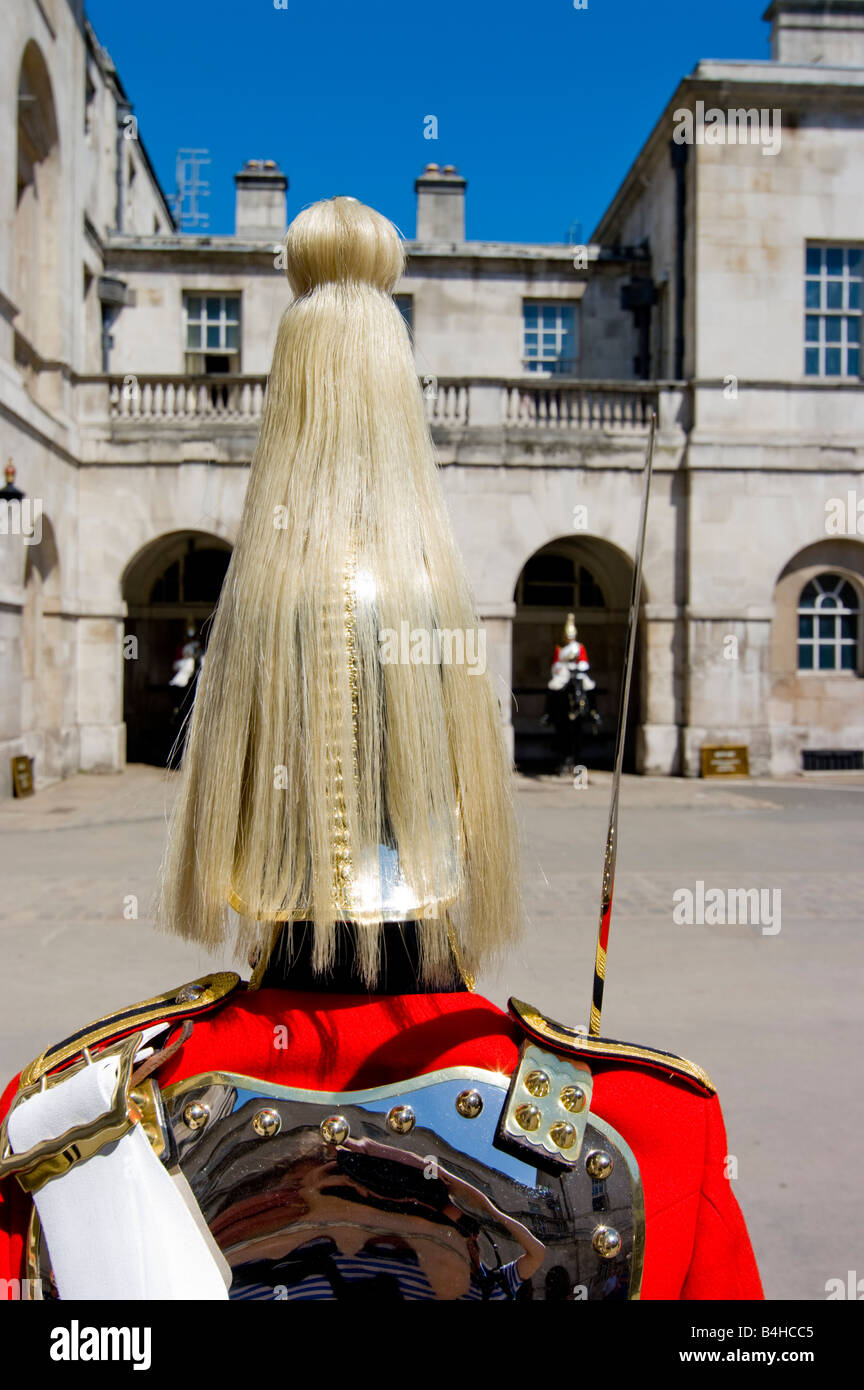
(721, 289)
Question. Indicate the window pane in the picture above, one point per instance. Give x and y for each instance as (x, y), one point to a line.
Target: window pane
(834, 294)
(827, 658)
(847, 658)
(549, 340)
(567, 316)
(832, 362)
(834, 260)
(805, 627)
(848, 597)
(551, 568)
(167, 589)
(193, 306)
(826, 629)
(805, 657)
(811, 362)
(812, 299)
(812, 328)
(855, 260)
(834, 330)
(590, 593)
(213, 335)
(193, 335)
(853, 362)
(213, 307)
(531, 340)
(855, 294)
(808, 594)
(814, 260)
(232, 335)
(849, 626)
(232, 307)
(530, 313)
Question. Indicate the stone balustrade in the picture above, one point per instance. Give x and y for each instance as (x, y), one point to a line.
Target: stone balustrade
(611, 407)
(579, 406)
(162, 399)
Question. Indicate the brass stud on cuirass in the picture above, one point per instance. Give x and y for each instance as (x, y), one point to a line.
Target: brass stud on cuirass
(401, 1119)
(599, 1164)
(606, 1242)
(266, 1123)
(469, 1104)
(573, 1098)
(528, 1117)
(335, 1129)
(563, 1134)
(195, 1116)
(537, 1084)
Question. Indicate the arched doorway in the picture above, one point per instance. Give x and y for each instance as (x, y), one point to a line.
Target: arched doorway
(591, 578)
(171, 587)
(37, 226)
(817, 659)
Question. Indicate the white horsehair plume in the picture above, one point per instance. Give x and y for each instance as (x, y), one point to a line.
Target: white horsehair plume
(306, 753)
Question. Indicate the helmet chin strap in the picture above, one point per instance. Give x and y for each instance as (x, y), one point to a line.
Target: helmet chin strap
(260, 959)
(612, 831)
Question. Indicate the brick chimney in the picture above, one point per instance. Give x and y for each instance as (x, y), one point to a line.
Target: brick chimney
(440, 204)
(261, 210)
(830, 32)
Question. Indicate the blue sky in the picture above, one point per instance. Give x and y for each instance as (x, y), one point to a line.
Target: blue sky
(541, 106)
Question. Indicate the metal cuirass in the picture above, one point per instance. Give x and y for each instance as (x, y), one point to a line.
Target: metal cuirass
(460, 1184)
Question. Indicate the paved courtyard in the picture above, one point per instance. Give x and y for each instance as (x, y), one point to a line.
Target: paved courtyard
(773, 1015)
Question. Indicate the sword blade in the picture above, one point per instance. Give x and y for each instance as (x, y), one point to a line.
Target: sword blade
(611, 853)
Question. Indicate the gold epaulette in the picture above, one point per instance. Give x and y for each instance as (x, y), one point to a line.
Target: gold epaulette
(184, 1001)
(575, 1044)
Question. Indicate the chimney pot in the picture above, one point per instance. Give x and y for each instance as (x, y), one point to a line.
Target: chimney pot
(440, 204)
(830, 32)
(260, 206)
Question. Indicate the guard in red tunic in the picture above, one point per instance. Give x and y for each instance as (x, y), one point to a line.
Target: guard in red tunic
(570, 697)
(355, 1122)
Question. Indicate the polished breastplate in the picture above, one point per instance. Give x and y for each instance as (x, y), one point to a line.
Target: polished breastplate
(457, 1185)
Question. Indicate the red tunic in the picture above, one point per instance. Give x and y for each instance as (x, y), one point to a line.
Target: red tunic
(581, 655)
(696, 1243)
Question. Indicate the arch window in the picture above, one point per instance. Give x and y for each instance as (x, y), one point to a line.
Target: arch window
(557, 581)
(829, 613)
(37, 217)
(194, 577)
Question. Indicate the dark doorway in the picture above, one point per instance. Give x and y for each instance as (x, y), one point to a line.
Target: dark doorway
(591, 579)
(171, 590)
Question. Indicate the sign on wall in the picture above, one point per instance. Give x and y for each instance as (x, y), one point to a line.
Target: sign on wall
(725, 760)
(22, 777)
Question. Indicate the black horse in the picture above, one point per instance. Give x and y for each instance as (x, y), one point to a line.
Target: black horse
(573, 716)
